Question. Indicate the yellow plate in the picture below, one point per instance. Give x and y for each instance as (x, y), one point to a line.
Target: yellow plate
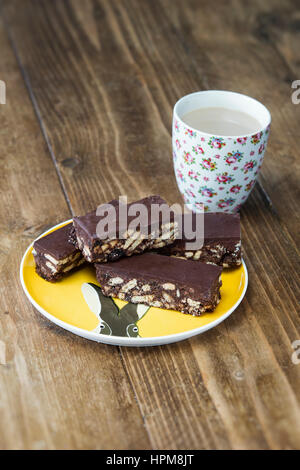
(77, 305)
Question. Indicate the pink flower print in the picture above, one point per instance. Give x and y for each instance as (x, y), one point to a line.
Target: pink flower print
(233, 157)
(249, 166)
(207, 192)
(198, 150)
(199, 205)
(176, 125)
(230, 160)
(180, 175)
(205, 178)
(193, 175)
(241, 140)
(225, 203)
(188, 158)
(177, 143)
(221, 188)
(252, 153)
(202, 139)
(250, 185)
(256, 138)
(247, 177)
(190, 133)
(224, 178)
(261, 148)
(207, 164)
(235, 168)
(190, 193)
(218, 156)
(235, 189)
(216, 142)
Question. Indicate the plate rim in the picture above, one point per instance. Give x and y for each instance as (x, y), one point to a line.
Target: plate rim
(120, 340)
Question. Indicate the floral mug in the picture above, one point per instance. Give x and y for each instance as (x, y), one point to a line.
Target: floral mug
(217, 172)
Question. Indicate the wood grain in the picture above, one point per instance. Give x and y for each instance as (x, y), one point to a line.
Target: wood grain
(241, 55)
(104, 77)
(57, 391)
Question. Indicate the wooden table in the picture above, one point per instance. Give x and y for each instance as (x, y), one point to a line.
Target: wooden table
(90, 90)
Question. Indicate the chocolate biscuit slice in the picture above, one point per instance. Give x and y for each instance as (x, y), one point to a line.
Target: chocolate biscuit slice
(155, 230)
(55, 256)
(161, 281)
(222, 240)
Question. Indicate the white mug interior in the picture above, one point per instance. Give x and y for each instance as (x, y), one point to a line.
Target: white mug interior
(223, 99)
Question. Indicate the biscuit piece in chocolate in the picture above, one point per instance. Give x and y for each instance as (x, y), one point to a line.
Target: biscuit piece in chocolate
(101, 244)
(222, 240)
(55, 256)
(161, 281)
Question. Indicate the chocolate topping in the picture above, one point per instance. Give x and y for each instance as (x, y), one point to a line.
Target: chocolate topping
(198, 276)
(56, 243)
(87, 224)
(218, 227)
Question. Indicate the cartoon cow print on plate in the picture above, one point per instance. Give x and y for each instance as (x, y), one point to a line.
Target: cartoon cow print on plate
(112, 320)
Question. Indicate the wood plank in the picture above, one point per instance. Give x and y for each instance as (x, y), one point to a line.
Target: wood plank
(110, 128)
(236, 386)
(57, 390)
(279, 25)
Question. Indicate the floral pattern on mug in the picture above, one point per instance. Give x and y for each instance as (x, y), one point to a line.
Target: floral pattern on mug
(267, 130)
(249, 166)
(193, 175)
(190, 193)
(224, 178)
(216, 142)
(188, 158)
(235, 189)
(216, 172)
(241, 140)
(207, 192)
(250, 185)
(190, 133)
(226, 202)
(255, 139)
(208, 164)
(233, 157)
(199, 205)
(198, 150)
(180, 175)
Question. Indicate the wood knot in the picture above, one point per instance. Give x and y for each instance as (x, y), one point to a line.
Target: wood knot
(71, 163)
